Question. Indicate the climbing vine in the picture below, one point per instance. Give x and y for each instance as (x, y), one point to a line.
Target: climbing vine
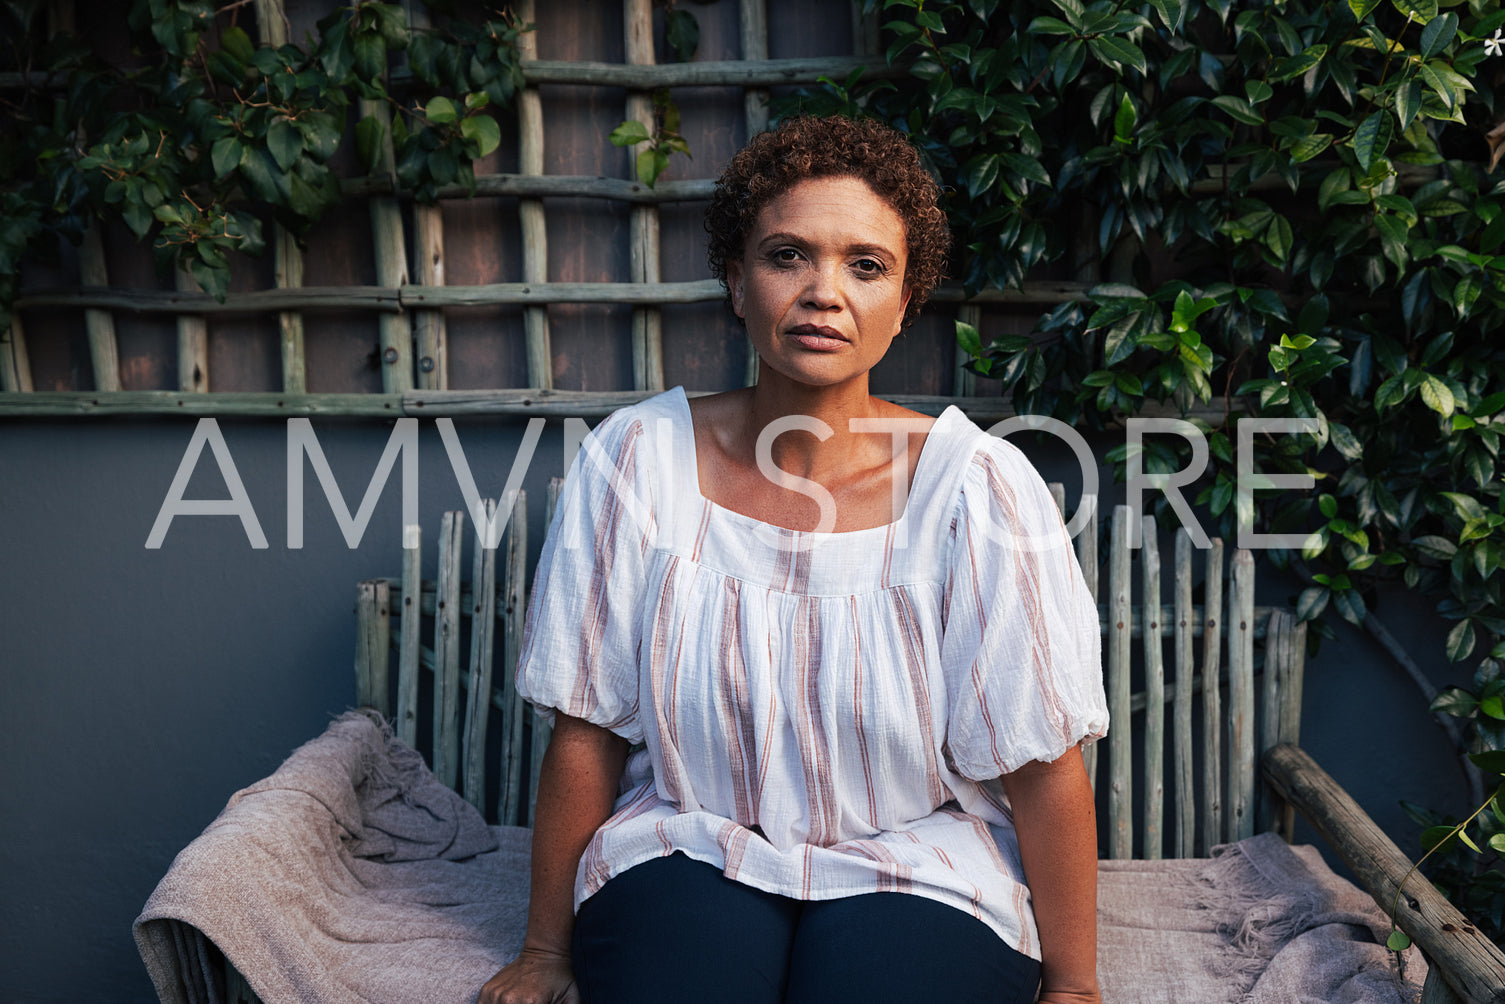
(211, 134)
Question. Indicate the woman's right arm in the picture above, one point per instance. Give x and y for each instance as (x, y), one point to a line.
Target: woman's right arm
(577, 786)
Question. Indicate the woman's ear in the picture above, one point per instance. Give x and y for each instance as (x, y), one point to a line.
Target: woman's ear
(734, 286)
(903, 306)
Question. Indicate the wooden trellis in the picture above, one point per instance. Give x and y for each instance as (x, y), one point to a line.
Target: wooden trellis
(410, 303)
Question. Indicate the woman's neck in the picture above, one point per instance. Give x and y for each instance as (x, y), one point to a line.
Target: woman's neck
(801, 451)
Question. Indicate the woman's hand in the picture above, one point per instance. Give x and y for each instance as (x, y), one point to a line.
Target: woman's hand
(536, 976)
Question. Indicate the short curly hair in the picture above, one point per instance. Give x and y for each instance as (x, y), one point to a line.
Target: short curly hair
(833, 146)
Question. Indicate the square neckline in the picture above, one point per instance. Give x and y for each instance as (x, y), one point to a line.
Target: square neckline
(922, 467)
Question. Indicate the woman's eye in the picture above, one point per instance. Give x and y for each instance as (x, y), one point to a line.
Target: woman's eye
(868, 266)
(786, 255)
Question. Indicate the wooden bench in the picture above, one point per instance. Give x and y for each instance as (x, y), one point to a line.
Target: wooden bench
(445, 636)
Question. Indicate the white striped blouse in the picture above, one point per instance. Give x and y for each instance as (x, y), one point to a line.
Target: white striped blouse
(822, 714)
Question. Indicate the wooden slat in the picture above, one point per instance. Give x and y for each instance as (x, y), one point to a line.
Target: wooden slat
(447, 650)
(1154, 713)
(415, 404)
(1240, 817)
(15, 366)
(373, 644)
(394, 299)
(287, 258)
(866, 37)
(1120, 756)
(964, 382)
(1182, 752)
(99, 325)
(409, 630)
(1473, 966)
(538, 741)
(1086, 543)
(643, 229)
(430, 335)
(389, 245)
(193, 342)
(1272, 683)
(752, 32)
(1212, 715)
(482, 610)
(709, 73)
(515, 606)
(539, 186)
(535, 231)
(1290, 718)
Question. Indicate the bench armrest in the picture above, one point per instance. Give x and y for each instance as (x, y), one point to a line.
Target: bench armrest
(1471, 965)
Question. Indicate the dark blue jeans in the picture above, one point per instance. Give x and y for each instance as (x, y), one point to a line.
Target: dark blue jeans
(675, 930)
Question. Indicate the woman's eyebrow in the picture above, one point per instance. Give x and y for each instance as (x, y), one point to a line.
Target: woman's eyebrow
(783, 237)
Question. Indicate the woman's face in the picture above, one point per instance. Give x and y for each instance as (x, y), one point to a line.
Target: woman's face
(821, 281)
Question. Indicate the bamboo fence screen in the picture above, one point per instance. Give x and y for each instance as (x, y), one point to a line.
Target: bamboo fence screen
(411, 299)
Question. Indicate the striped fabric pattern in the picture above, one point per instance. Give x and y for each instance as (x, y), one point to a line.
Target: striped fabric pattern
(820, 715)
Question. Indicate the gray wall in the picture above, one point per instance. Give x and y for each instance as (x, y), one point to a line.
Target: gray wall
(141, 687)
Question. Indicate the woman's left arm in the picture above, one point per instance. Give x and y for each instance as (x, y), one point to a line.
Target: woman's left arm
(1057, 827)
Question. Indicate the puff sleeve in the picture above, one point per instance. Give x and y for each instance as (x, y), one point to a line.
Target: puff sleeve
(1020, 650)
(581, 637)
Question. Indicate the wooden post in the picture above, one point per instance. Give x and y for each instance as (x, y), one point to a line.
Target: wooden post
(1086, 545)
(647, 322)
(1154, 692)
(409, 638)
(965, 383)
(516, 606)
(390, 246)
(538, 742)
(373, 639)
(99, 324)
(1212, 714)
(866, 40)
(1120, 632)
(287, 257)
(535, 234)
(478, 697)
(1241, 698)
(447, 649)
(752, 30)
(430, 334)
(193, 341)
(1186, 808)
(15, 367)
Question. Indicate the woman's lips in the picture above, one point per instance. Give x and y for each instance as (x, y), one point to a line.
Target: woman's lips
(818, 337)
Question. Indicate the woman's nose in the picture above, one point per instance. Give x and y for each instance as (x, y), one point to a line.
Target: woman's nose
(824, 288)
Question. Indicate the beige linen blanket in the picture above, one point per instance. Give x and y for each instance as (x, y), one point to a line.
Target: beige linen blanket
(353, 874)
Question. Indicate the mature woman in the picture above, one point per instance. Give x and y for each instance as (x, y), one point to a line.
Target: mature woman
(820, 665)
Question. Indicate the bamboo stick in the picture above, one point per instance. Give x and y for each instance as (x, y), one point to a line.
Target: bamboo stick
(1212, 715)
(409, 629)
(1120, 756)
(100, 326)
(535, 232)
(482, 609)
(1154, 677)
(1185, 622)
(752, 31)
(515, 605)
(430, 334)
(395, 299)
(647, 322)
(447, 650)
(287, 258)
(15, 366)
(193, 342)
(538, 741)
(1241, 698)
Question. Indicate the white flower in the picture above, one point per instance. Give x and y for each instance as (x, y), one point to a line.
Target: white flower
(1496, 45)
